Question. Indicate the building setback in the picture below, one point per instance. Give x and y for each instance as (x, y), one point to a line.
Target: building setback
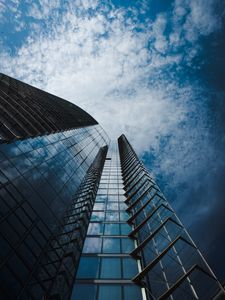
(80, 217)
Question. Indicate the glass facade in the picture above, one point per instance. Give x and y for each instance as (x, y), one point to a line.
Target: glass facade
(172, 266)
(106, 268)
(39, 177)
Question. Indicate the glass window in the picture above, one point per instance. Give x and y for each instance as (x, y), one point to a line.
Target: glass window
(112, 229)
(102, 191)
(95, 228)
(112, 216)
(129, 267)
(112, 185)
(124, 216)
(112, 191)
(109, 292)
(123, 206)
(125, 229)
(111, 245)
(110, 268)
(101, 198)
(99, 206)
(103, 185)
(112, 198)
(113, 206)
(92, 245)
(127, 245)
(122, 198)
(132, 292)
(84, 291)
(88, 267)
(97, 216)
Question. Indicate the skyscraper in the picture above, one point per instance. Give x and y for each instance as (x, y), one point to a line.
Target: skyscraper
(80, 217)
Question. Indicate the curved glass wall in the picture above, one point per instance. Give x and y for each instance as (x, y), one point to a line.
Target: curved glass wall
(39, 177)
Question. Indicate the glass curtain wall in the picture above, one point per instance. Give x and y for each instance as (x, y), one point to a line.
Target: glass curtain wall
(106, 268)
(38, 179)
(172, 266)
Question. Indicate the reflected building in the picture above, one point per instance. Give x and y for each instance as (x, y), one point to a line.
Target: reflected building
(80, 217)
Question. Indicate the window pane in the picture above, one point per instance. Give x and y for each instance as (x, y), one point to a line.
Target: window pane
(113, 206)
(127, 245)
(112, 229)
(125, 229)
(88, 267)
(92, 245)
(111, 245)
(112, 216)
(101, 198)
(99, 206)
(97, 216)
(123, 206)
(102, 191)
(124, 216)
(112, 198)
(110, 292)
(129, 267)
(84, 291)
(95, 228)
(111, 268)
(132, 292)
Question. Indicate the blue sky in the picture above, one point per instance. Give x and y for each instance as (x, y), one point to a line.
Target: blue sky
(154, 70)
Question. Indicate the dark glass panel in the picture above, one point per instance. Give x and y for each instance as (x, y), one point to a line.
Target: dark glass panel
(110, 268)
(88, 267)
(110, 292)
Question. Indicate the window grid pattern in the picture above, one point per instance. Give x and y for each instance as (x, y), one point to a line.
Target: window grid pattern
(172, 266)
(26, 111)
(39, 177)
(105, 265)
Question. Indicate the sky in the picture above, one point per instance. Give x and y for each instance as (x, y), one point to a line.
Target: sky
(153, 70)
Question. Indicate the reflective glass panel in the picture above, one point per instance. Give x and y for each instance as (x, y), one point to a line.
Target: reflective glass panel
(92, 245)
(110, 292)
(110, 268)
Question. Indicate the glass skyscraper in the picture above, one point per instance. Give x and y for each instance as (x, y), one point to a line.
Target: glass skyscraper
(80, 217)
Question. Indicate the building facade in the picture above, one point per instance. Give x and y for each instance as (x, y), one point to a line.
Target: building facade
(80, 217)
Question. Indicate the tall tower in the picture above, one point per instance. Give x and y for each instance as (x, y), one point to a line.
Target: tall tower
(51, 156)
(80, 217)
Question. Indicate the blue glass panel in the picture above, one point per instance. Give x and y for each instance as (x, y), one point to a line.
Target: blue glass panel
(112, 229)
(112, 216)
(92, 245)
(125, 229)
(132, 292)
(99, 206)
(111, 245)
(95, 228)
(110, 268)
(109, 292)
(88, 267)
(127, 245)
(112, 206)
(97, 216)
(129, 267)
(124, 216)
(84, 292)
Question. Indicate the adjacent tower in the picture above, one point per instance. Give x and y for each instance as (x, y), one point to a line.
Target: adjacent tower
(80, 217)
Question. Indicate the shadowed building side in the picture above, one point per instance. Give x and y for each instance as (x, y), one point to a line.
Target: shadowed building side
(26, 111)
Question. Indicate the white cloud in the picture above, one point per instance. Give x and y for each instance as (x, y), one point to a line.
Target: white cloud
(102, 63)
(200, 18)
